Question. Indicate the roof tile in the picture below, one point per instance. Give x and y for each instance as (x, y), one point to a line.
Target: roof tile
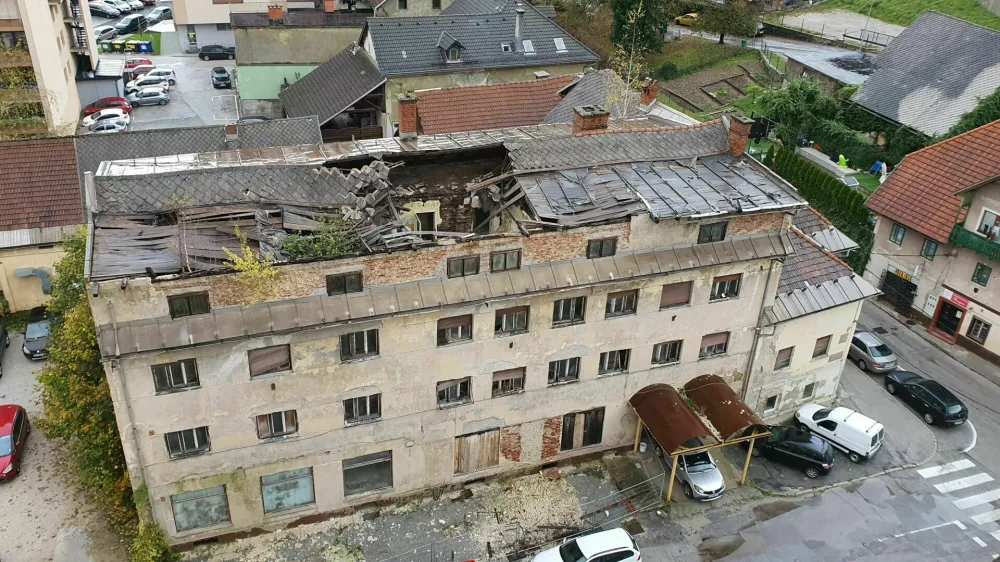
(39, 186)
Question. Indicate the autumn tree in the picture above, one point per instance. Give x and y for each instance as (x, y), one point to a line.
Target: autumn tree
(733, 17)
(21, 111)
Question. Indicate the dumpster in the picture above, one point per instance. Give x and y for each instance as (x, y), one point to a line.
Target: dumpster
(132, 46)
(117, 46)
(104, 46)
(145, 46)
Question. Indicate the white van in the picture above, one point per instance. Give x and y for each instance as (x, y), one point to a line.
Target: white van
(856, 434)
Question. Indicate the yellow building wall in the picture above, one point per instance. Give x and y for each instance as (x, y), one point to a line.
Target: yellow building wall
(24, 293)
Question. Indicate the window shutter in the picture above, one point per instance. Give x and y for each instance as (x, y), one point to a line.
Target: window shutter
(512, 310)
(269, 359)
(262, 429)
(454, 321)
(726, 278)
(675, 293)
(715, 339)
(291, 421)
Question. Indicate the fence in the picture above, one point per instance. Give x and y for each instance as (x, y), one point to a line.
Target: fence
(869, 37)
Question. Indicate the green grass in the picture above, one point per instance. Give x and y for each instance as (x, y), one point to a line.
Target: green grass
(691, 54)
(904, 12)
(152, 37)
(15, 322)
(868, 182)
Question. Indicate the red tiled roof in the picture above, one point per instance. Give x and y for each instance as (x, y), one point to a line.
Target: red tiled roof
(39, 185)
(494, 106)
(920, 193)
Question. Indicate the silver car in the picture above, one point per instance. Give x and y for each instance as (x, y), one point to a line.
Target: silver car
(871, 354)
(699, 477)
(148, 96)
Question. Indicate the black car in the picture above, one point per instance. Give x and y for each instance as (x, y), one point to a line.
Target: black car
(934, 402)
(36, 335)
(217, 52)
(102, 10)
(131, 24)
(796, 448)
(221, 78)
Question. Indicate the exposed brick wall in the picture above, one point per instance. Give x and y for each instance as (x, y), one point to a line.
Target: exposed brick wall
(752, 224)
(570, 245)
(551, 437)
(510, 442)
(407, 114)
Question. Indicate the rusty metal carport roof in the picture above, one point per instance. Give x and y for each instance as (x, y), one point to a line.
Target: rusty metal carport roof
(665, 414)
(720, 404)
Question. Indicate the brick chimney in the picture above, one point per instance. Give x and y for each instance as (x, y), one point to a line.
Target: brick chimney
(589, 118)
(329, 6)
(275, 14)
(739, 134)
(650, 90)
(407, 116)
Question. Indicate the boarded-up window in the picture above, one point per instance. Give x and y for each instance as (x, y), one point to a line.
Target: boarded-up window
(568, 311)
(287, 490)
(358, 345)
(454, 392)
(343, 283)
(267, 360)
(509, 381)
(667, 352)
(200, 508)
(725, 287)
(188, 305)
(784, 358)
(478, 451)
(582, 429)
(277, 424)
(188, 442)
(822, 346)
(675, 294)
(454, 329)
(714, 344)
(620, 304)
(511, 321)
(368, 473)
(178, 375)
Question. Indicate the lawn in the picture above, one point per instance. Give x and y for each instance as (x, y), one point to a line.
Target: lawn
(691, 54)
(868, 182)
(903, 12)
(152, 37)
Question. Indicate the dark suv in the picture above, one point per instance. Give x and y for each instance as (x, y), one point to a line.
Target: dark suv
(798, 449)
(36, 335)
(131, 24)
(217, 52)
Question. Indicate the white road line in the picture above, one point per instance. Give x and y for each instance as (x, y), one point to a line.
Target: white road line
(959, 524)
(979, 541)
(978, 499)
(962, 483)
(987, 517)
(974, 437)
(948, 468)
(996, 534)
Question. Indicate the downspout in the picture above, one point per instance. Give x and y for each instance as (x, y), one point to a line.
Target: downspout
(756, 332)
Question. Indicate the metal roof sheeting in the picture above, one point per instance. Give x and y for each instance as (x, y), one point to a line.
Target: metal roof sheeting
(720, 404)
(834, 240)
(665, 414)
(814, 298)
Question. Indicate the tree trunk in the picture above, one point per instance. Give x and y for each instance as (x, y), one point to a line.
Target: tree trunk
(722, 38)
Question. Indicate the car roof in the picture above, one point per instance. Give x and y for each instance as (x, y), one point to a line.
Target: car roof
(940, 392)
(604, 541)
(850, 418)
(868, 338)
(903, 376)
(7, 412)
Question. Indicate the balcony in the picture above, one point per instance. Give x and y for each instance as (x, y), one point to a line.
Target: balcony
(14, 58)
(981, 245)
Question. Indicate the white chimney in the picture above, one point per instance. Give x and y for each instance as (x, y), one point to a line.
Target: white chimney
(518, 15)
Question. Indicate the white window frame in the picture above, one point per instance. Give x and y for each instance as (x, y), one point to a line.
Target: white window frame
(566, 371)
(367, 418)
(614, 362)
(664, 348)
(529, 48)
(565, 311)
(188, 372)
(560, 45)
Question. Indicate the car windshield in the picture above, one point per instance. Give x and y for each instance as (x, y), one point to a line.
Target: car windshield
(881, 350)
(5, 446)
(698, 460)
(821, 414)
(37, 330)
(570, 552)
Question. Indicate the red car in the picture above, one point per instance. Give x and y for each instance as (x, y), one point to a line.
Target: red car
(148, 2)
(14, 430)
(133, 62)
(107, 103)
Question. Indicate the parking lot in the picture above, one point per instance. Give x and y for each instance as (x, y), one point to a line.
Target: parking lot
(98, 21)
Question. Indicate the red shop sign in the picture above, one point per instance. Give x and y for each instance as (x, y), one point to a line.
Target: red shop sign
(960, 300)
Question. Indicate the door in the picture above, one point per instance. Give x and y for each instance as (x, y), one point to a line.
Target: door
(948, 319)
(827, 428)
(18, 435)
(477, 451)
(916, 396)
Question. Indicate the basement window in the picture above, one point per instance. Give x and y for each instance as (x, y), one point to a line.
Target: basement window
(200, 508)
(368, 473)
(287, 490)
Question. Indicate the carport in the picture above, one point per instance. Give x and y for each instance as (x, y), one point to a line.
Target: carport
(672, 422)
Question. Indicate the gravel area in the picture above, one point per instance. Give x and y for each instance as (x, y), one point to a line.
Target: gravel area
(834, 23)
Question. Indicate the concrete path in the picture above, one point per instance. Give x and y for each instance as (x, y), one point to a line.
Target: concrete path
(834, 23)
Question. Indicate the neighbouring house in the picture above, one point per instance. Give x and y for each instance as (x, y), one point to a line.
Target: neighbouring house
(832, 70)
(926, 79)
(935, 252)
(497, 301)
(42, 202)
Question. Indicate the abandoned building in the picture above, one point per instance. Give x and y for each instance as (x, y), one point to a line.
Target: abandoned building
(439, 309)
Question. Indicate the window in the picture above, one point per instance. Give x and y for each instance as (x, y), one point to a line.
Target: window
(666, 353)
(401, 4)
(505, 47)
(771, 403)
(455, 329)
(565, 370)
(268, 360)
(582, 429)
(621, 304)
(188, 442)
(277, 424)
(715, 232)
(200, 508)
(784, 358)
(452, 393)
(188, 305)
(560, 44)
(808, 390)
(822, 346)
(828, 425)
(614, 362)
(358, 345)
(463, 267)
(529, 49)
(223, 26)
(725, 287)
(343, 283)
(897, 234)
(504, 261)
(713, 344)
(454, 54)
(568, 311)
(435, 4)
(368, 473)
(929, 248)
(477, 451)
(978, 331)
(175, 376)
(675, 294)
(287, 490)
(981, 275)
(986, 223)
(362, 409)
(601, 248)
(510, 381)
(511, 321)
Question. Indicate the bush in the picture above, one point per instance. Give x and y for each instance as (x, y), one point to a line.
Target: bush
(667, 71)
(150, 545)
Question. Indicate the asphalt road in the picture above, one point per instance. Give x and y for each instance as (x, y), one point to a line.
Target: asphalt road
(98, 21)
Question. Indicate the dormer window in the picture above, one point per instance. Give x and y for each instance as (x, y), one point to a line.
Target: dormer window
(454, 54)
(505, 47)
(560, 45)
(450, 47)
(529, 49)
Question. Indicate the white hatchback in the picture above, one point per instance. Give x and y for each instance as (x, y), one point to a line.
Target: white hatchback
(111, 114)
(615, 545)
(147, 82)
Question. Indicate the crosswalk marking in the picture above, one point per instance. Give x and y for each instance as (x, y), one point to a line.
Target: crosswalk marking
(996, 535)
(962, 483)
(979, 541)
(948, 468)
(978, 499)
(987, 517)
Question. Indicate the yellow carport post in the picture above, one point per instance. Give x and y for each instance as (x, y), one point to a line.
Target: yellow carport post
(638, 434)
(673, 474)
(746, 463)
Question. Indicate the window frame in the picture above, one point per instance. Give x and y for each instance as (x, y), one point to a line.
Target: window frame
(933, 245)
(462, 322)
(499, 377)
(401, 5)
(287, 417)
(778, 364)
(896, 227)
(623, 297)
(355, 356)
(714, 352)
(174, 502)
(463, 260)
(811, 387)
(343, 277)
(203, 443)
(277, 482)
(817, 353)
(727, 281)
(499, 321)
(460, 399)
(363, 461)
(167, 373)
(528, 47)
(614, 362)
(601, 242)
(506, 260)
(284, 367)
(772, 407)
(669, 346)
(566, 371)
(173, 300)
(708, 233)
(560, 45)
(575, 305)
(977, 274)
(979, 323)
(687, 301)
(369, 417)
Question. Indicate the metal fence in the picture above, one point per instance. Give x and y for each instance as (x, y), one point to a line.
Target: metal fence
(869, 37)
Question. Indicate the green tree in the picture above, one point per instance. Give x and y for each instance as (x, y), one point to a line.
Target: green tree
(639, 23)
(733, 17)
(985, 112)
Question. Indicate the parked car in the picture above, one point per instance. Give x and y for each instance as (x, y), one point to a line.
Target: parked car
(147, 82)
(136, 4)
(107, 103)
(164, 73)
(217, 52)
(687, 19)
(221, 78)
(14, 431)
(141, 70)
(148, 2)
(110, 114)
(856, 434)
(161, 14)
(36, 334)
(103, 10)
(149, 96)
(871, 354)
(132, 62)
(615, 545)
(120, 5)
(934, 402)
(104, 33)
(700, 478)
(109, 127)
(796, 448)
(251, 119)
(4, 344)
(131, 24)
